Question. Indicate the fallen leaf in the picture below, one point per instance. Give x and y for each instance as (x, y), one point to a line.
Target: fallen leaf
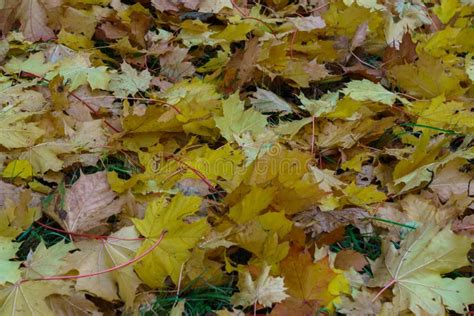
(15, 132)
(307, 23)
(251, 205)
(10, 269)
(292, 306)
(88, 203)
(34, 20)
(28, 298)
(130, 81)
(75, 305)
(174, 249)
(235, 121)
(365, 90)
(449, 180)
(361, 304)
(18, 168)
(415, 271)
(265, 290)
(325, 179)
(44, 261)
(347, 258)
(99, 255)
(306, 280)
(78, 71)
(318, 221)
(267, 101)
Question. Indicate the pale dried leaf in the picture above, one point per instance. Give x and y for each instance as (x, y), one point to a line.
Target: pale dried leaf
(89, 202)
(74, 305)
(266, 290)
(449, 181)
(34, 20)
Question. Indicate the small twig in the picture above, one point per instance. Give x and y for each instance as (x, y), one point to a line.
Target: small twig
(363, 62)
(293, 38)
(180, 278)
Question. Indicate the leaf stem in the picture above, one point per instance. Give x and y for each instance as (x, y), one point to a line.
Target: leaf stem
(389, 284)
(114, 268)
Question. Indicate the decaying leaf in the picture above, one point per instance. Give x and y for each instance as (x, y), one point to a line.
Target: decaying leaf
(318, 221)
(87, 203)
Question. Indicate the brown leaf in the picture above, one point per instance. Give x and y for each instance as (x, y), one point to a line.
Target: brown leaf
(164, 5)
(449, 181)
(173, 5)
(75, 305)
(34, 20)
(330, 238)
(10, 193)
(316, 71)
(240, 68)
(88, 203)
(306, 280)
(464, 226)
(364, 71)
(360, 35)
(139, 27)
(174, 64)
(7, 16)
(361, 305)
(347, 258)
(406, 53)
(111, 30)
(294, 306)
(318, 221)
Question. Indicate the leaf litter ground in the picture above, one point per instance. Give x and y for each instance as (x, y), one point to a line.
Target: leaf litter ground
(236, 157)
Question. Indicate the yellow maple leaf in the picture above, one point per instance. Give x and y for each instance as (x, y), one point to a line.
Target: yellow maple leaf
(363, 196)
(251, 205)
(166, 259)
